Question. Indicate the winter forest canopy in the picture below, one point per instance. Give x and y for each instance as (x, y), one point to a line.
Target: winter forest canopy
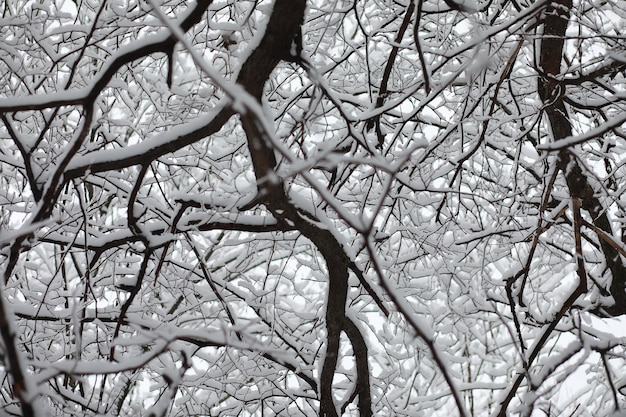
(312, 208)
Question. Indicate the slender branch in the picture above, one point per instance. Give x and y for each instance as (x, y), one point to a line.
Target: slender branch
(161, 42)
(421, 331)
(382, 92)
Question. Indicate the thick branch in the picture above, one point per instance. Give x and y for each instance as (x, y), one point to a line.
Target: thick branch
(162, 42)
(13, 361)
(359, 348)
(382, 93)
(282, 28)
(551, 93)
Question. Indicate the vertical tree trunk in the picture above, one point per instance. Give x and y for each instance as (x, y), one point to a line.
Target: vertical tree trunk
(551, 93)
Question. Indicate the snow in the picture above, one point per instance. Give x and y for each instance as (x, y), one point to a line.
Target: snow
(162, 143)
(443, 227)
(10, 236)
(593, 133)
(29, 389)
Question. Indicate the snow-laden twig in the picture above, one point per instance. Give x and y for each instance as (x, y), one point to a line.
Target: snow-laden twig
(422, 330)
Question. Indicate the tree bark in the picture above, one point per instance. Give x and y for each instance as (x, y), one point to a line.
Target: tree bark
(551, 93)
(276, 45)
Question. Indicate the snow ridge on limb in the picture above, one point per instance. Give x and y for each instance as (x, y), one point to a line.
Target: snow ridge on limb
(161, 42)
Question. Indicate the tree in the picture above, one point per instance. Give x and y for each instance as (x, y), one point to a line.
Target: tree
(295, 207)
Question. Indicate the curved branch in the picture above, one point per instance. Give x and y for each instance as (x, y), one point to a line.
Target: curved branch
(359, 348)
(382, 93)
(161, 42)
(275, 45)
